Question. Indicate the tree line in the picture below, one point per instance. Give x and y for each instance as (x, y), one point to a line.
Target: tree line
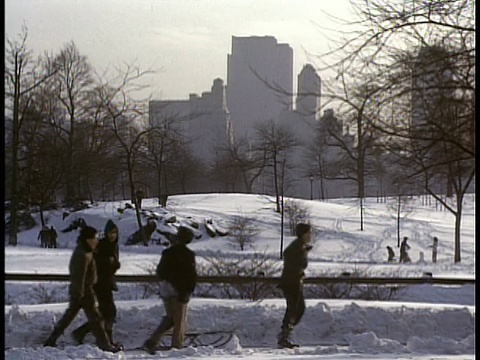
(403, 86)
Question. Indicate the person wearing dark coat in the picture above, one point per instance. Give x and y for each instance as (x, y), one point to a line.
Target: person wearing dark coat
(108, 262)
(295, 261)
(53, 237)
(83, 277)
(434, 247)
(391, 254)
(178, 275)
(404, 247)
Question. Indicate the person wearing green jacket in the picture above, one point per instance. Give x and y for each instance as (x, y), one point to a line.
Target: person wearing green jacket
(83, 277)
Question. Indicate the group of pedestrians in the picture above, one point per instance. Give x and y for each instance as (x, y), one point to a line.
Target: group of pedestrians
(48, 237)
(93, 265)
(404, 247)
(92, 280)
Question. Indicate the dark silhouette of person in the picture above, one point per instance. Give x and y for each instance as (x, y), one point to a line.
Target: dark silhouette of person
(295, 261)
(83, 274)
(404, 247)
(391, 254)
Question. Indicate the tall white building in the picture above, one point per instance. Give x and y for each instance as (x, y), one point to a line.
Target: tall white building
(249, 100)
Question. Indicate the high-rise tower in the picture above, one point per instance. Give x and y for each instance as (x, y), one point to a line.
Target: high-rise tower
(249, 100)
(309, 92)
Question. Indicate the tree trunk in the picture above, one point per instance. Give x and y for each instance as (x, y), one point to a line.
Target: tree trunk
(458, 222)
(398, 220)
(14, 202)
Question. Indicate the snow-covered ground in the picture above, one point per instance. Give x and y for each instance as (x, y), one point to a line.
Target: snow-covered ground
(419, 322)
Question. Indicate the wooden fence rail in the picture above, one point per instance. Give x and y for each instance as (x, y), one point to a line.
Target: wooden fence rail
(268, 280)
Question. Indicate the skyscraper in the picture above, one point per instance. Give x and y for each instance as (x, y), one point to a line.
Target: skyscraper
(309, 92)
(249, 100)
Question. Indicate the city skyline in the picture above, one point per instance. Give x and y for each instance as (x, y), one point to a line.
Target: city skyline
(189, 41)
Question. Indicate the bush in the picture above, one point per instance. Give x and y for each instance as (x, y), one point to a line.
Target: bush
(149, 289)
(48, 294)
(352, 291)
(243, 230)
(296, 214)
(258, 264)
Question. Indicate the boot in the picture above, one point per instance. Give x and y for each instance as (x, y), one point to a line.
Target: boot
(283, 338)
(150, 347)
(109, 332)
(79, 333)
(52, 339)
(111, 348)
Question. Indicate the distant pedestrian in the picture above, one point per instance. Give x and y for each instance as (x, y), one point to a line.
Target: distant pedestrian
(83, 275)
(53, 237)
(434, 247)
(44, 237)
(404, 247)
(391, 254)
(295, 261)
(421, 259)
(107, 261)
(178, 275)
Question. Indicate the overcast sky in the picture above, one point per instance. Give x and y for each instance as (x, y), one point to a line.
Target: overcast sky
(188, 39)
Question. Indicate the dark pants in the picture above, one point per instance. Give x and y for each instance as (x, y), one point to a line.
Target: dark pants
(295, 306)
(108, 311)
(93, 315)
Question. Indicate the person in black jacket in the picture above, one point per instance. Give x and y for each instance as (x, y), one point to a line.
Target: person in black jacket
(295, 262)
(178, 275)
(391, 254)
(404, 247)
(107, 262)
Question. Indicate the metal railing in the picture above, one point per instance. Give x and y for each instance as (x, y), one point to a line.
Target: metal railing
(345, 279)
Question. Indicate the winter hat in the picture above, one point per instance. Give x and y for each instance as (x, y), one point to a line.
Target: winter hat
(87, 232)
(184, 235)
(109, 226)
(302, 229)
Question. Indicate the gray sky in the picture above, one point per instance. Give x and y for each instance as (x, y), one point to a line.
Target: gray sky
(188, 39)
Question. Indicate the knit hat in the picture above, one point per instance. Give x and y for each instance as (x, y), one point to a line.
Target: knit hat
(109, 226)
(184, 235)
(301, 229)
(87, 232)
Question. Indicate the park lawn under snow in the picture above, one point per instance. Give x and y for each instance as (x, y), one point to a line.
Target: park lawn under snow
(421, 322)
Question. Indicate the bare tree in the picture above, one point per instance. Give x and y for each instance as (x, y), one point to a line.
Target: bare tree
(392, 40)
(73, 81)
(246, 162)
(128, 123)
(22, 76)
(276, 143)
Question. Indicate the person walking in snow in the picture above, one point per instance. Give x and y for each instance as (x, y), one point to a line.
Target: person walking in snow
(295, 261)
(107, 262)
(434, 247)
(404, 247)
(178, 275)
(83, 275)
(53, 237)
(391, 254)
